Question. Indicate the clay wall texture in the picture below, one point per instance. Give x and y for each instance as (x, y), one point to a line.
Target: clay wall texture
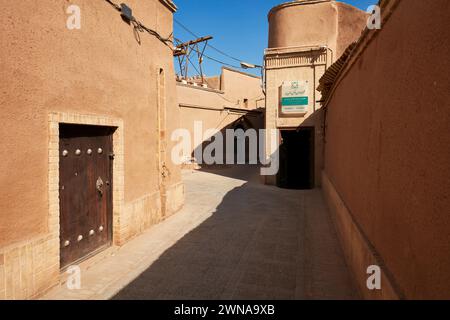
(97, 70)
(208, 105)
(387, 146)
(312, 23)
(305, 38)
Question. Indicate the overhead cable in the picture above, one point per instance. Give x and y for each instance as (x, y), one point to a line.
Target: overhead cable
(139, 27)
(220, 95)
(209, 45)
(213, 59)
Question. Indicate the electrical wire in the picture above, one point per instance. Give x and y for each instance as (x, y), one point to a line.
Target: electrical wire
(185, 28)
(139, 27)
(209, 45)
(234, 102)
(223, 63)
(213, 59)
(196, 69)
(216, 60)
(117, 7)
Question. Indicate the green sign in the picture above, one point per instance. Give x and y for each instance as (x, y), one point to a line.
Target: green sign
(294, 97)
(295, 101)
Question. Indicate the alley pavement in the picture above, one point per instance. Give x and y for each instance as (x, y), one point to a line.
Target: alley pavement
(235, 238)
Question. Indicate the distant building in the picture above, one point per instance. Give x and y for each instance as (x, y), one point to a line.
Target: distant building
(233, 100)
(305, 38)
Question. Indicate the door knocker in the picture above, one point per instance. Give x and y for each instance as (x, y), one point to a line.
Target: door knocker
(99, 186)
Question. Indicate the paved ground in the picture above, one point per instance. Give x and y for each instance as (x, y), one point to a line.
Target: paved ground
(234, 239)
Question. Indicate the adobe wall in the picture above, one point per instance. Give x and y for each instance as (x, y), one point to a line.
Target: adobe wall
(97, 74)
(282, 67)
(351, 23)
(300, 23)
(387, 154)
(208, 106)
(305, 38)
(238, 86)
(315, 23)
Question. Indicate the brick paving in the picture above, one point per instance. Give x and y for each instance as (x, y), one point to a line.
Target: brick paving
(234, 239)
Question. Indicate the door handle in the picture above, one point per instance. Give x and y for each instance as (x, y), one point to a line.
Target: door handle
(99, 186)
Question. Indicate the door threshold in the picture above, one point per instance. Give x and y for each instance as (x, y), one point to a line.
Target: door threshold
(91, 259)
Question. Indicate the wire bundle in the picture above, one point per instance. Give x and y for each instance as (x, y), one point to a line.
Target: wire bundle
(139, 27)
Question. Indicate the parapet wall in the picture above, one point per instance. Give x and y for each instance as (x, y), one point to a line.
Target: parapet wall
(313, 23)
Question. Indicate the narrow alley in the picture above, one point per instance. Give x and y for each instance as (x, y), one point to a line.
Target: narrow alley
(133, 134)
(235, 239)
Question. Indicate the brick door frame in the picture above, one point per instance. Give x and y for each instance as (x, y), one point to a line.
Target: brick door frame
(57, 118)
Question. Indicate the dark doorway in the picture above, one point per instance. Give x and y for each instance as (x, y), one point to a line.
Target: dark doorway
(240, 138)
(85, 191)
(296, 159)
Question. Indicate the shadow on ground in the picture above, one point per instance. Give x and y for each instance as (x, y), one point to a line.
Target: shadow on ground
(261, 243)
(248, 172)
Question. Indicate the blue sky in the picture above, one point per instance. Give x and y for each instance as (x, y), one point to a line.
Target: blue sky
(239, 27)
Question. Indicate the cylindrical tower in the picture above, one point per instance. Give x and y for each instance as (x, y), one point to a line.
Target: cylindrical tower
(314, 23)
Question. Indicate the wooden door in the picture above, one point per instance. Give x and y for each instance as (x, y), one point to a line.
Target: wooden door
(85, 173)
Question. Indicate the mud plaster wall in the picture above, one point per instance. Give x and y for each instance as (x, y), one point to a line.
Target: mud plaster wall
(99, 70)
(387, 148)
